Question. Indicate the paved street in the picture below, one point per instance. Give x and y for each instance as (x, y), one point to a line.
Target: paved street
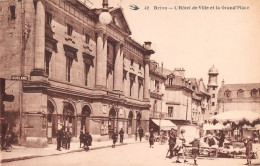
(129, 155)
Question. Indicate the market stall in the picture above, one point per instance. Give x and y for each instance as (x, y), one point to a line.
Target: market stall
(237, 120)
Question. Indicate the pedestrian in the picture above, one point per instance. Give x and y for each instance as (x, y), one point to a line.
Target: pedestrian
(141, 133)
(172, 141)
(81, 139)
(151, 138)
(180, 144)
(249, 149)
(195, 149)
(88, 139)
(59, 138)
(114, 138)
(64, 138)
(68, 139)
(221, 138)
(121, 133)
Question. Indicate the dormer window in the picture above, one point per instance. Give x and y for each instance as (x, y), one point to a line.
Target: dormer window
(254, 93)
(240, 93)
(227, 94)
(170, 81)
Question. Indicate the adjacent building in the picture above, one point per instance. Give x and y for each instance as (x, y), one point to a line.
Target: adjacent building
(239, 97)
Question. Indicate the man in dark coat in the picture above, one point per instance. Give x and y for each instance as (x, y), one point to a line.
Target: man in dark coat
(59, 138)
(81, 139)
(121, 133)
(88, 139)
(141, 133)
(114, 138)
(249, 149)
(195, 149)
(151, 138)
(172, 141)
(68, 138)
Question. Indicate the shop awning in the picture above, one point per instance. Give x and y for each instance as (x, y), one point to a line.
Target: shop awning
(164, 124)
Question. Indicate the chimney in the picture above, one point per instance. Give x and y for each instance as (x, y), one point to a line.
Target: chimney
(147, 45)
(181, 71)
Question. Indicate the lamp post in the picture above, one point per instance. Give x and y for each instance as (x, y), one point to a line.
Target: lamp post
(160, 118)
(138, 119)
(105, 18)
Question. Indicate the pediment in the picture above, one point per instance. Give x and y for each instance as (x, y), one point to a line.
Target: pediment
(118, 20)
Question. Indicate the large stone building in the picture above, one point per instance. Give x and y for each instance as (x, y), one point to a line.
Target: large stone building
(176, 99)
(239, 97)
(81, 74)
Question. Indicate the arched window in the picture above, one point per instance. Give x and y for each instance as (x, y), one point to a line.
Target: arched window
(254, 93)
(227, 93)
(240, 93)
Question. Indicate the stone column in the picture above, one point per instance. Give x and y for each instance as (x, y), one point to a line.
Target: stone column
(101, 65)
(39, 37)
(149, 51)
(118, 67)
(146, 77)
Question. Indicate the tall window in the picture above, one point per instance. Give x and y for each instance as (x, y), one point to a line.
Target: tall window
(213, 95)
(132, 62)
(48, 18)
(213, 103)
(139, 90)
(170, 81)
(170, 111)
(86, 73)
(12, 10)
(87, 38)
(157, 87)
(214, 88)
(140, 66)
(68, 68)
(69, 29)
(47, 62)
(131, 87)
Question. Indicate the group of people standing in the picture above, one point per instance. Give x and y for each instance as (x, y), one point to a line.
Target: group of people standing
(115, 137)
(177, 142)
(63, 138)
(85, 139)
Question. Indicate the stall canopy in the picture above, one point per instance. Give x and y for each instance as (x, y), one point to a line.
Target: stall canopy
(164, 124)
(217, 126)
(237, 116)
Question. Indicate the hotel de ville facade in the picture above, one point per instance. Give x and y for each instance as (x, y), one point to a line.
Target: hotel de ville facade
(81, 74)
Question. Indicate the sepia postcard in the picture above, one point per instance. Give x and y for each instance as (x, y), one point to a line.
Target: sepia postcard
(130, 82)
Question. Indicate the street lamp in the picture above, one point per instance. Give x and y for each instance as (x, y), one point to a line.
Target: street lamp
(105, 18)
(138, 119)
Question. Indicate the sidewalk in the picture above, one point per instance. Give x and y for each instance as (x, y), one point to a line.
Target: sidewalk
(21, 153)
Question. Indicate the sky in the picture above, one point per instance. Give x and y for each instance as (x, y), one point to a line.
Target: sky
(196, 39)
